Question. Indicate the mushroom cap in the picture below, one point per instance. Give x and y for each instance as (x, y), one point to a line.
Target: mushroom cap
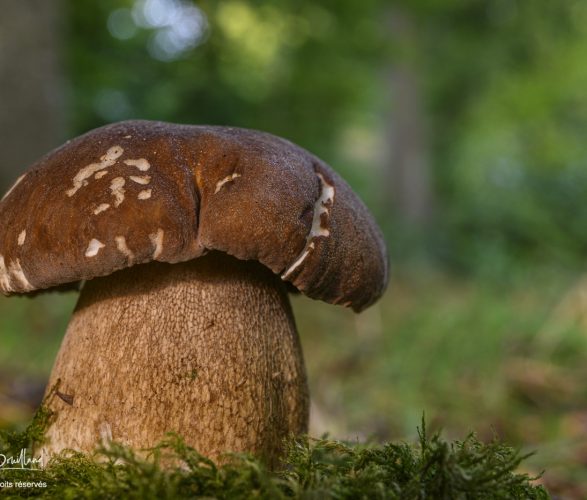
(138, 191)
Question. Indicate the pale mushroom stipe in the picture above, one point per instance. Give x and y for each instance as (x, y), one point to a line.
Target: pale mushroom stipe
(188, 239)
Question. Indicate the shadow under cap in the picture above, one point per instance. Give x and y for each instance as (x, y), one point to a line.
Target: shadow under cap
(213, 268)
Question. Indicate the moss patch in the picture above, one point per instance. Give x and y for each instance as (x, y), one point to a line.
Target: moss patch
(324, 469)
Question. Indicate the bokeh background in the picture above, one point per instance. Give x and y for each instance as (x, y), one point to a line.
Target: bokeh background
(462, 125)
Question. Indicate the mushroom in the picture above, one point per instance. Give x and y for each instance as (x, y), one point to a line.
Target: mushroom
(186, 240)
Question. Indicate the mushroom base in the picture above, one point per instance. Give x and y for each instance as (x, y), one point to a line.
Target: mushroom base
(207, 349)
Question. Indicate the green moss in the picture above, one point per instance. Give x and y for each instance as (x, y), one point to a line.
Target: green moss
(12, 442)
(320, 469)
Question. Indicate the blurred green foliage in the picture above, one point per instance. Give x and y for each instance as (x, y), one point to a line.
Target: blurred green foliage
(297, 69)
(502, 359)
(502, 90)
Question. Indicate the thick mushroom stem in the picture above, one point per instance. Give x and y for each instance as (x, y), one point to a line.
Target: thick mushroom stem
(206, 348)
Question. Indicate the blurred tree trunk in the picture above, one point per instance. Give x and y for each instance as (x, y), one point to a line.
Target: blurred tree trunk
(31, 83)
(409, 178)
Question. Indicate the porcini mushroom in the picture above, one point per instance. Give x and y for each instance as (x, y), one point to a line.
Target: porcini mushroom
(185, 239)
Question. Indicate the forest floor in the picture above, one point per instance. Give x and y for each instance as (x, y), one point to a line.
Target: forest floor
(503, 359)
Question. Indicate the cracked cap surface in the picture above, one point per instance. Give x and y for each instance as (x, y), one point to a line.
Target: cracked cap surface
(138, 191)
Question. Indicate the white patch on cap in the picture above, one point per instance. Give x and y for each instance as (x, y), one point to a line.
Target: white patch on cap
(107, 160)
(157, 241)
(298, 261)
(16, 183)
(117, 188)
(322, 206)
(144, 179)
(123, 248)
(141, 163)
(22, 238)
(127, 136)
(15, 270)
(101, 208)
(4, 277)
(222, 182)
(144, 195)
(94, 247)
(100, 174)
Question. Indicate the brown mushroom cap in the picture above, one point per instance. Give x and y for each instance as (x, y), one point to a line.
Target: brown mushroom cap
(138, 191)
